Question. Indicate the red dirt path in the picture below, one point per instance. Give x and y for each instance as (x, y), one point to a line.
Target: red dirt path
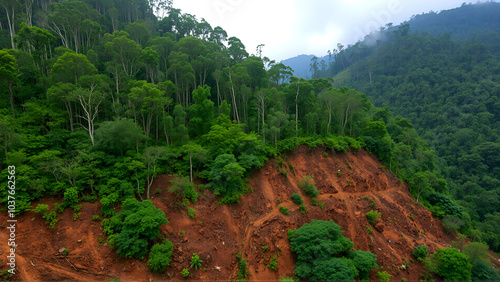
(218, 233)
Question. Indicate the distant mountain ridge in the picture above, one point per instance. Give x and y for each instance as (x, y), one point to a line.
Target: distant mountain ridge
(462, 22)
(300, 65)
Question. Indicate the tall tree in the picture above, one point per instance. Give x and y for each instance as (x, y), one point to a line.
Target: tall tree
(8, 74)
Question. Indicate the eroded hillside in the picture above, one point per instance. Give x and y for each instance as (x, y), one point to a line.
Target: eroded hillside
(218, 233)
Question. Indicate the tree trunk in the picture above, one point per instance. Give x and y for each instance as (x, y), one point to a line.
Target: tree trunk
(191, 165)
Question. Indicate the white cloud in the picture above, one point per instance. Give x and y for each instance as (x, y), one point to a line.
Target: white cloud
(293, 27)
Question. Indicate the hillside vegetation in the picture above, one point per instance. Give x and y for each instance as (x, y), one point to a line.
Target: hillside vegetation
(447, 85)
(101, 98)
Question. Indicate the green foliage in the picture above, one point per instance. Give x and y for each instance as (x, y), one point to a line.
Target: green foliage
(372, 203)
(420, 252)
(446, 204)
(308, 186)
(452, 223)
(273, 263)
(264, 248)
(77, 208)
(450, 264)
(70, 196)
(183, 188)
(226, 175)
(65, 252)
(195, 262)
(284, 210)
(185, 273)
(243, 269)
(191, 212)
(482, 271)
(136, 225)
(160, 256)
(303, 209)
(318, 245)
(383, 276)
(373, 216)
(369, 230)
(296, 198)
(364, 262)
(116, 137)
(96, 218)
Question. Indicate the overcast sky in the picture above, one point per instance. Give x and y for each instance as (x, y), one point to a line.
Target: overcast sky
(293, 27)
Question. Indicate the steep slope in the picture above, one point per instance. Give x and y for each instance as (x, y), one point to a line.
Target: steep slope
(218, 233)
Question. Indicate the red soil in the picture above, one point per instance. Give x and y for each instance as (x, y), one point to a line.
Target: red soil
(219, 232)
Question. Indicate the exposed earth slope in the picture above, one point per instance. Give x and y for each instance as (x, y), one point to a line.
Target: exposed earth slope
(218, 233)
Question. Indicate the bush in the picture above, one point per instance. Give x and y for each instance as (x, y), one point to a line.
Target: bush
(160, 256)
(183, 189)
(264, 248)
(273, 262)
(191, 212)
(303, 209)
(308, 186)
(185, 273)
(284, 210)
(452, 265)
(373, 216)
(96, 218)
(383, 276)
(195, 262)
(319, 245)
(452, 223)
(70, 197)
(296, 198)
(445, 204)
(77, 208)
(420, 252)
(369, 230)
(135, 225)
(65, 252)
(243, 269)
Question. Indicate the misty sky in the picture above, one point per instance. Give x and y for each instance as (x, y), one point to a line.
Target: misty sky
(293, 27)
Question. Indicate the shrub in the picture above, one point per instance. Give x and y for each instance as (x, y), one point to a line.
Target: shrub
(321, 205)
(183, 189)
(70, 196)
(319, 245)
(369, 230)
(373, 216)
(314, 202)
(195, 262)
(383, 276)
(273, 262)
(420, 252)
(76, 216)
(191, 212)
(284, 210)
(291, 167)
(303, 209)
(264, 248)
(243, 269)
(339, 174)
(185, 273)
(160, 256)
(77, 208)
(96, 218)
(308, 186)
(445, 204)
(372, 203)
(296, 198)
(325, 154)
(452, 223)
(452, 265)
(65, 252)
(135, 225)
